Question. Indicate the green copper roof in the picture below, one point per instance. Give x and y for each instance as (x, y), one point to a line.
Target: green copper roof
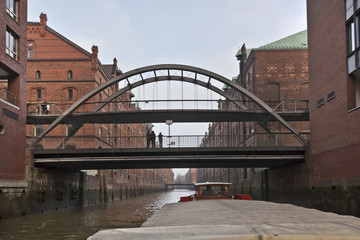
(248, 51)
(295, 41)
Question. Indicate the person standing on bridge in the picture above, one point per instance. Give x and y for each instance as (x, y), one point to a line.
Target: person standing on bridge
(152, 139)
(160, 140)
(148, 139)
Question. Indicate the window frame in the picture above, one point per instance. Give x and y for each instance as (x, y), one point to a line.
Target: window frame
(38, 94)
(38, 129)
(70, 75)
(30, 54)
(38, 75)
(12, 8)
(70, 94)
(12, 44)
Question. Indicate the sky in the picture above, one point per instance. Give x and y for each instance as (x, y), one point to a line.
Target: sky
(200, 33)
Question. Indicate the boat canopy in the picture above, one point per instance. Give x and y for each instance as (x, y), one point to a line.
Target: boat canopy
(212, 183)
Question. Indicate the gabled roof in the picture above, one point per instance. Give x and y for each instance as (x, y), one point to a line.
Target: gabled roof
(295, 41)
(62, 38)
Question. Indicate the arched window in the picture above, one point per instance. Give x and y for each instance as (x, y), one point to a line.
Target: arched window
(38, 94)
(30, 53)
(70, 94)
(69, 129)
(70, 75)
(38, 75)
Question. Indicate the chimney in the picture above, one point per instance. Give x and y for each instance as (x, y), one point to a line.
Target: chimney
(114, 68)
(43, 22)
(94, 58)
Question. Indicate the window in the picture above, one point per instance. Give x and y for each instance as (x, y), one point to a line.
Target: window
(38, 75)
(70, 94)
(351, 36)
(38, 94)
(12, 7)
(357, 92)
(30, 53)
(320, 102)
(70, 75)
(12, 44)
(69, 129)
(37, 130)
(331, 95)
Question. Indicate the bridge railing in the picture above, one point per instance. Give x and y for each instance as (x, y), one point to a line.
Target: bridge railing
(179, 141)
(180, 104)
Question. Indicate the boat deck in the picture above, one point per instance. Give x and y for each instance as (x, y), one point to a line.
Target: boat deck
(237, 219)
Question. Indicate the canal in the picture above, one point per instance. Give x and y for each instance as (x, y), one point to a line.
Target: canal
(80, 223)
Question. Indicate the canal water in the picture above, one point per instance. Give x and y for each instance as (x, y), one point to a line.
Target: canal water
(80, 223)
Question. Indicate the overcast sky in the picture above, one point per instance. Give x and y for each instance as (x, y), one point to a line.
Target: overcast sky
(201, 33)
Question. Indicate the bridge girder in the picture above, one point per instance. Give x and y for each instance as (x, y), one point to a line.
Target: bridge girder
(167, 67)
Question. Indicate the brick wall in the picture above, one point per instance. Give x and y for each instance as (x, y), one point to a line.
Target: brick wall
(12, 116)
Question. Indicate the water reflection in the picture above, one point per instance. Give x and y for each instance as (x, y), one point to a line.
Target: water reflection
(80, 223)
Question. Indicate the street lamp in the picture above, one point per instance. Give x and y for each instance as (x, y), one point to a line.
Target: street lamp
(169, 122)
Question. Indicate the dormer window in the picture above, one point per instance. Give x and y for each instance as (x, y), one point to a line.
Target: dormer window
(70, 75)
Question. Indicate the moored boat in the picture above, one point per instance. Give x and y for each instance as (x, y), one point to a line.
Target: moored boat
(213, 190)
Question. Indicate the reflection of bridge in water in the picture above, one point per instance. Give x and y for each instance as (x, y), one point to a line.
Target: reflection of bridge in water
(73, 151)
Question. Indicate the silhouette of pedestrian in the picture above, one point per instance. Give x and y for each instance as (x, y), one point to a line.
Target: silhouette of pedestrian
(152, 139)
(148, 138)
(160, 140)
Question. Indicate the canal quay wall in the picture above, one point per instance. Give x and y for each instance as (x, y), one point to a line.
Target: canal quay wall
(52, 190)
(325, 185)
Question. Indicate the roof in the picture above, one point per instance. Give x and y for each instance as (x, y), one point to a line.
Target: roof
(63, 38)
(212, 183)
(108, 69)
(295, 41)
(248, 51)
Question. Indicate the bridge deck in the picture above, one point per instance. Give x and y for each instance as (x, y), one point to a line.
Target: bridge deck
(157, 116)
(264, 157)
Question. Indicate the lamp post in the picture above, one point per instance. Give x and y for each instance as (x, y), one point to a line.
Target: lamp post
(169, 122)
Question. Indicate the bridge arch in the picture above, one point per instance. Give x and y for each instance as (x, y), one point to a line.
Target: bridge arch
(167, 68)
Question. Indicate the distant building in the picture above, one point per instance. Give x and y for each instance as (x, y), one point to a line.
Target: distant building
(190, 176)
(277, 73)
(13, 21)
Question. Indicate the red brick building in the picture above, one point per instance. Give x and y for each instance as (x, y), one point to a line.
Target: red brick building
(13, 21)
(334, 167)
(59, 73)
(276, 72)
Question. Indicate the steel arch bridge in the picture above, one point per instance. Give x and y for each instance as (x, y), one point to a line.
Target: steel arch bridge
(165, 72)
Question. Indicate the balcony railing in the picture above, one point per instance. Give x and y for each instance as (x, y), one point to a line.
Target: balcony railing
(179, 141)
(8, 96)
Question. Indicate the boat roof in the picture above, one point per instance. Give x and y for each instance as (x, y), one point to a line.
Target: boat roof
(212, 183)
